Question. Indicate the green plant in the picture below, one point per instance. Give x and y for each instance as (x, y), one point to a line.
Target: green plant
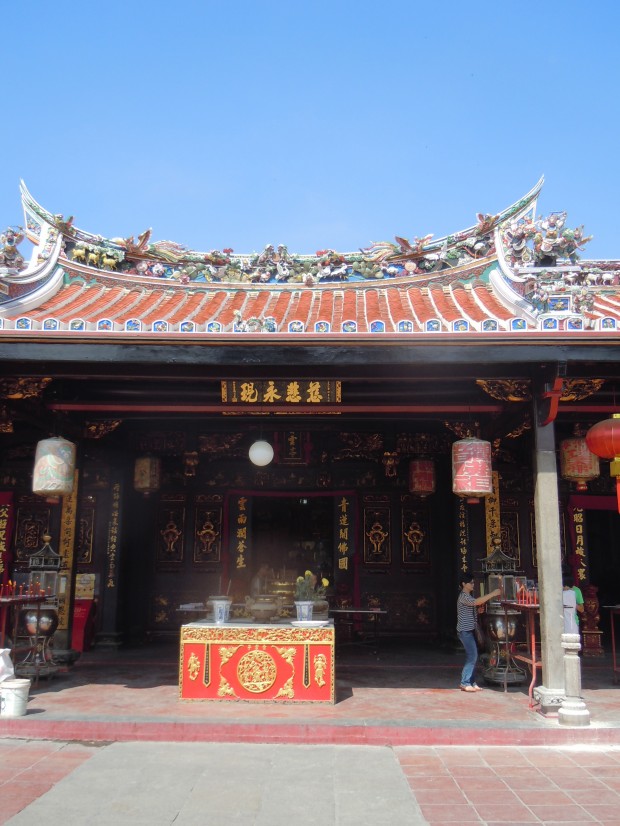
(308, 589)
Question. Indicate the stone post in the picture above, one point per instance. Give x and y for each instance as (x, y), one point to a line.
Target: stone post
(547, 518)
(573, 710)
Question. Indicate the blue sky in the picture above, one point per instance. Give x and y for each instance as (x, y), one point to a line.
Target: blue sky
(317, 124)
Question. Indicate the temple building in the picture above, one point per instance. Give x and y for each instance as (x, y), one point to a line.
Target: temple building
(390, 416)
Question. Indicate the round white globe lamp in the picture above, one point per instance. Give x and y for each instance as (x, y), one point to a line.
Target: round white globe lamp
(261, 453)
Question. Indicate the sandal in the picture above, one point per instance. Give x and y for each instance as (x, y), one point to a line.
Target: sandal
(467, 688)
(476, 687)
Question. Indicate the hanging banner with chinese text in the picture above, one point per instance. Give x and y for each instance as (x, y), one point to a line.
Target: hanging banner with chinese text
(293, 393)
(579, 558)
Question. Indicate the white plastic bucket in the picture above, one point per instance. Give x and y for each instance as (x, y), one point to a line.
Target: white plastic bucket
(14, 697)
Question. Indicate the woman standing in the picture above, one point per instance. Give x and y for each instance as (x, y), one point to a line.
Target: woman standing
(466, 606)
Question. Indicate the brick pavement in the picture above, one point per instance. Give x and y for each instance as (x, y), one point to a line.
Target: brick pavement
(464, 756)
(355, 785)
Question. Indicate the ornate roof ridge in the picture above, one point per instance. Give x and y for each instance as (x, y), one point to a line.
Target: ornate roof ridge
(485, 224)
(422, 259)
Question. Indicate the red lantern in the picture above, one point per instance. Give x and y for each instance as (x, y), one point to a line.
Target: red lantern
(472, 475)
(603, 439)
(577, 462)
(421, 477)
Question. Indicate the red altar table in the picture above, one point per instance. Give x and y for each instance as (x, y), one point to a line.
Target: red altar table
(241, 661)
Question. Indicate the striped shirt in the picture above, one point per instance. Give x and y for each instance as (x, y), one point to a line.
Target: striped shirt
(465, 612)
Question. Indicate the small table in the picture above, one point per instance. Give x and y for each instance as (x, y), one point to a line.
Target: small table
(361, 615)
(531, 657)
(614, 611)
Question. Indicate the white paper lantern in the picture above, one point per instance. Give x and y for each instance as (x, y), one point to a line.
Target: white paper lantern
(54, 467)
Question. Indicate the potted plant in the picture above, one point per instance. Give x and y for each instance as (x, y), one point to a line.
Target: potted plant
(309, 592)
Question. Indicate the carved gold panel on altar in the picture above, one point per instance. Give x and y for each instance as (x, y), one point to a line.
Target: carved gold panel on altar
(377, 544)
(294, 393)
(257, 663)
(208, 534)
(169, 533)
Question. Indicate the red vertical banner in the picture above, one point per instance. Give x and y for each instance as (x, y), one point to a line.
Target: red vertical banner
(7, 512)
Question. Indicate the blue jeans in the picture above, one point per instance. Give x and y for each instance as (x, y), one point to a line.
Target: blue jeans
(468, 639)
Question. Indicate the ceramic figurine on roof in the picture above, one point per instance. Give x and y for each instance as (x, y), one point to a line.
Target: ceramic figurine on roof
(132, 246)
(573, 240)
(553, 243)
(66, 227)
(516, 237)
(415, 249)
(486, 222)
(10, 257)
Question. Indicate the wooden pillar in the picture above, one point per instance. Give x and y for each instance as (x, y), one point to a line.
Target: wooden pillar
(547, 522)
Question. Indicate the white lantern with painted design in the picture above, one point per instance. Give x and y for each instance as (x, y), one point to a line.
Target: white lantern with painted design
(54, 467)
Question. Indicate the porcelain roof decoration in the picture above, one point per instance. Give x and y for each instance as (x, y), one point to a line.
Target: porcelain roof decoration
(510, 272)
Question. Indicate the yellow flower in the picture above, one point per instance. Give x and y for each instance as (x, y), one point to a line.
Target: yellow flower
(308, 573)
(299, 579)
(324, 582)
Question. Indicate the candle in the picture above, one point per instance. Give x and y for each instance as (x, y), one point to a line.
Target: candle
(21, 590)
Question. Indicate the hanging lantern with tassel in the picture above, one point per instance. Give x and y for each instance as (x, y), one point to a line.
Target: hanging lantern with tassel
(472, 475)
(54, 468)
(421, 477)
(603, 439)
(577, 462)
(147, 474)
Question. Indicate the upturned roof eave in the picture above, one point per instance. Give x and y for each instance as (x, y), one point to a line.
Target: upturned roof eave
(518, 206)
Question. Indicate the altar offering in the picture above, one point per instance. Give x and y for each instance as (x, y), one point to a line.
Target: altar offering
(221, 609)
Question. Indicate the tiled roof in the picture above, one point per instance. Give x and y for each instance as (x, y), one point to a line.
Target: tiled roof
(391, 308)
(483, 279)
